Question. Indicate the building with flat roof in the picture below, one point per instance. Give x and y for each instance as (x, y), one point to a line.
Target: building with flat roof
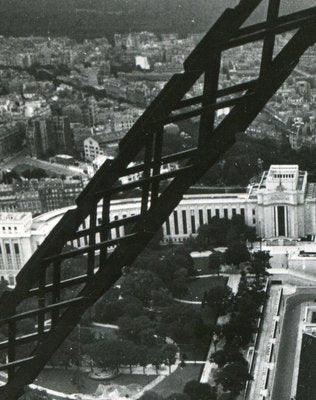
(281, 207)
(15, 243)
(285, 203)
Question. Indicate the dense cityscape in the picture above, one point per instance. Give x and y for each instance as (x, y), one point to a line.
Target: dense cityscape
(205, 311)
(65, 106)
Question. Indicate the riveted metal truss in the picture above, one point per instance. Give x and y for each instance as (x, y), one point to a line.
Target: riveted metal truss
(41, 279)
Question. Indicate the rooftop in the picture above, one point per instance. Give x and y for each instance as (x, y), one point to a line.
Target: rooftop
(14, 216)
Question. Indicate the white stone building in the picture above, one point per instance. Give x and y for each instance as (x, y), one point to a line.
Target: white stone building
(15, 243)
(282, 207)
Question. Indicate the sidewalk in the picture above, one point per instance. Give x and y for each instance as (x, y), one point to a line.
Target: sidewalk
(207, 374)
(292, 273)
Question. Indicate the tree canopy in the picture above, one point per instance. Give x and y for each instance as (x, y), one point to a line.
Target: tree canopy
(233, 377)
(237, 253)
(199, 391)
(215, 260)
(219, 298)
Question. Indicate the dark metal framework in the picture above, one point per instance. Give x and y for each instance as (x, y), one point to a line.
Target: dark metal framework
(41, 278)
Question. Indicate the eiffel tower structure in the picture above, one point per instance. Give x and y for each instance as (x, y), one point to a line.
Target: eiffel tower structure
(41, 278)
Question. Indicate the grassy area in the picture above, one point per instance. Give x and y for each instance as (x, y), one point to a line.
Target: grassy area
(201, 265)
(195, 352)
(198, 286)
(176, 381)
(60, 380)
(306, 386)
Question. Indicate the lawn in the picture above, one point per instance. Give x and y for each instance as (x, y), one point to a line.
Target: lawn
(176, 381)
(198, 286)
(306, 386)
(60, 380)
(201, 265)
(195, 352)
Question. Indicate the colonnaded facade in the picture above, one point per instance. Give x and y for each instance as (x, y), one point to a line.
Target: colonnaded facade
(281, 206)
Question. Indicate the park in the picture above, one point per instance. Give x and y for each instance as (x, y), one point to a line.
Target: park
(177, 309)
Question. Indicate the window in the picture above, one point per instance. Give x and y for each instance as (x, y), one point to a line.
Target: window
(253, 211)
(193, 228)
(225, 213)
(253, 220)
(16, 248)
(201, 219)
(184, 222)
(217, 212)
(7, 248)
(234, 212)
(176, 225)
(281, 220)
(209, 216)
(117, 229)
(168, 226)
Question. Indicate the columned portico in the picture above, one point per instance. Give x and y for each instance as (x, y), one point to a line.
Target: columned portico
(281, 206)
(281, 202)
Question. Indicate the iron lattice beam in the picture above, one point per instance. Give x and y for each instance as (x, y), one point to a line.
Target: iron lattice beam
(103, 267)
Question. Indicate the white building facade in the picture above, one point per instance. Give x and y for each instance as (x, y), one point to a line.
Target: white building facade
(282, 206)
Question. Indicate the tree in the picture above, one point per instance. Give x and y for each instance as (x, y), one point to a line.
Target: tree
(251, 234)
(199, 391)
(215, 261)
(226, 355)
(247, 306)
(239, 331)
(172, 266)
(140, 284)
(148, 336)
(178, 396)
(149, 395)
(179, 322)
(161, 298)
(155, 357)
(236, 253)
(142, 357)
(110, 307)
(4, 286)
(214, 233)
(233, 235)
(219, 298)
(259, 264)
(170, 350)
(108, 353)
(132, 328)
(35, 394)
(36, 173)
(233, 377)
(131, 355)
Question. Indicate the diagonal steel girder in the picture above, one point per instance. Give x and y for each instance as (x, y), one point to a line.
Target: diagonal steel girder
(131, 144)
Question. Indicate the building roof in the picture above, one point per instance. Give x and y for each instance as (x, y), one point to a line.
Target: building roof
(14, 216)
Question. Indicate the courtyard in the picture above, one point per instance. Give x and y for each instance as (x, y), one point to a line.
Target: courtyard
(61, 380)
